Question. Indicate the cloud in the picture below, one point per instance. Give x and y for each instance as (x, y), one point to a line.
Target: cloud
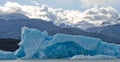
(98, 3)
(93, 17)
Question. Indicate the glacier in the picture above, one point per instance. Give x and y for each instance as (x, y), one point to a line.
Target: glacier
(39, 45)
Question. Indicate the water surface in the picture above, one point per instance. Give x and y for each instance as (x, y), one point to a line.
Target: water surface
(55, 60)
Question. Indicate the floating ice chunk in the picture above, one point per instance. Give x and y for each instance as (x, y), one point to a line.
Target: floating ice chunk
(4, 55)
(36, 44)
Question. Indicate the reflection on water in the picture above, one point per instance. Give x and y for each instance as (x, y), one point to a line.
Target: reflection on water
(51, 60)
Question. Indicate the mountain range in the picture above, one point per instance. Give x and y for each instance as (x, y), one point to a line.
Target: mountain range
(11, 28)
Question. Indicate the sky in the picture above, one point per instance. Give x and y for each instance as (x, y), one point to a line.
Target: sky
(70, 4)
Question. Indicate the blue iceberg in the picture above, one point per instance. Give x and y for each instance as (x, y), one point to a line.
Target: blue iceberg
(5, 55)
(37, 45)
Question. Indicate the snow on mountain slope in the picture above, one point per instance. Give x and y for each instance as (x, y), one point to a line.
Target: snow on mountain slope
(12, 16)
(62, 46)
(94, 17)
(112, 30)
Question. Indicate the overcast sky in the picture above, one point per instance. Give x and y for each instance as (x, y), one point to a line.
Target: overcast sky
(71, 4)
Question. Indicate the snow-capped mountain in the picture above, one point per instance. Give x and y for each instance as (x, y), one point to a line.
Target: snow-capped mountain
(12, 16)
(111, 30)
(118, 19)
(12, 29)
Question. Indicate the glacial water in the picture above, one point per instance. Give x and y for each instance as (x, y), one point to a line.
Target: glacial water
(55, 60)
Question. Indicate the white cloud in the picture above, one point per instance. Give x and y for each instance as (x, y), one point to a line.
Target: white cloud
(94, 3)
(89, 18)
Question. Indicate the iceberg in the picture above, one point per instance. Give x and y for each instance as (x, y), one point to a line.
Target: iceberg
(38, 45)
(5, 55)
